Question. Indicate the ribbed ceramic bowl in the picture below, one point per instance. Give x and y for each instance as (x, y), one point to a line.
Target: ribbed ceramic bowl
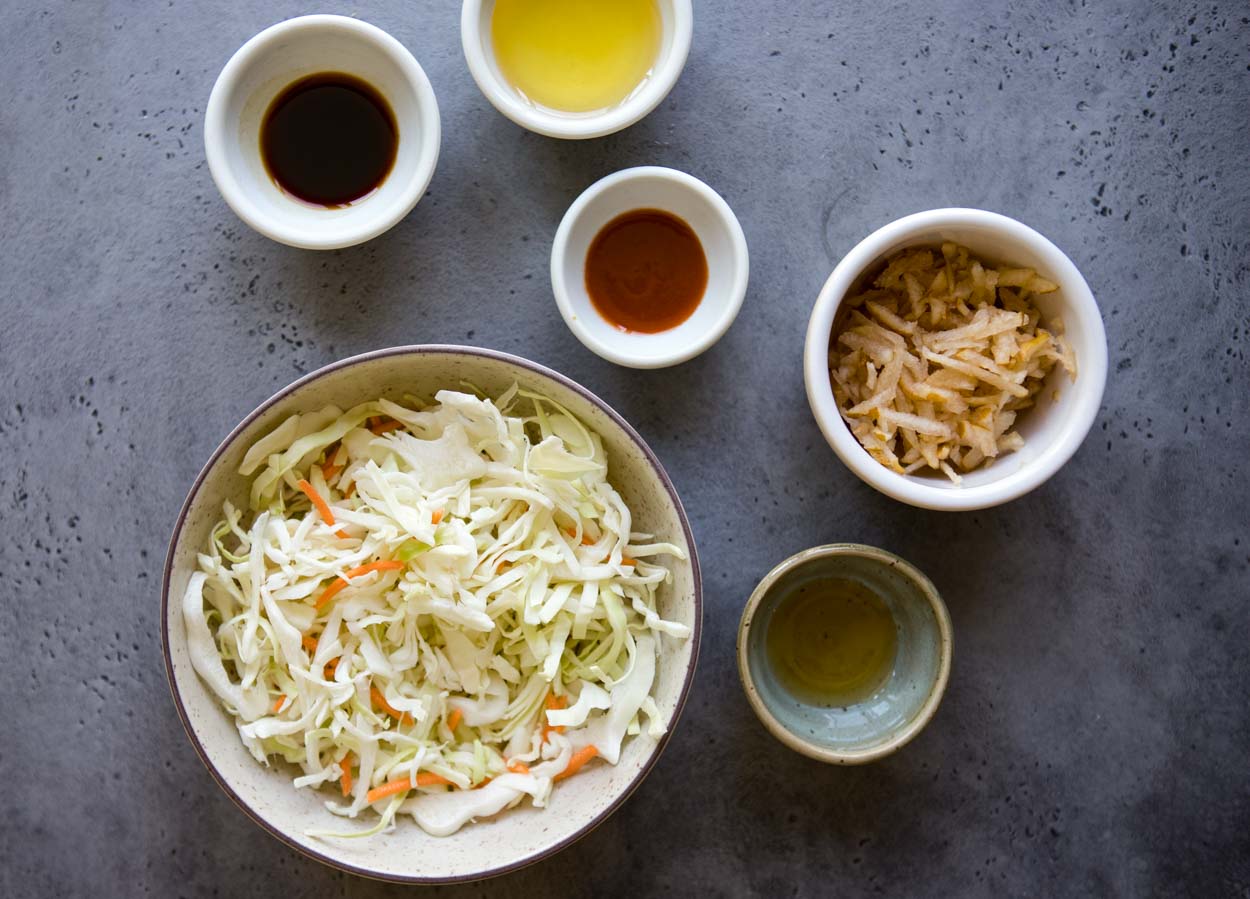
(514, 838)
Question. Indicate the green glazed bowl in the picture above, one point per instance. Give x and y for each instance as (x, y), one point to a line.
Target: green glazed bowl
(901, 707)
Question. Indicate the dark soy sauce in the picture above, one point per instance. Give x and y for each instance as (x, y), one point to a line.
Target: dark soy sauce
(329, 139)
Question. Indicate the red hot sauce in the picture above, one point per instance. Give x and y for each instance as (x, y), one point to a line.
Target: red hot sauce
(646, 271)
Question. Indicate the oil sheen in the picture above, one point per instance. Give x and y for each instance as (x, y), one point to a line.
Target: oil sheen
(575, 55)
(831, 642)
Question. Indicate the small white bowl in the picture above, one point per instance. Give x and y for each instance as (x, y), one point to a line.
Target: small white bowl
(258, 72)
(677, 21)
(724, 245)
(1053, 429)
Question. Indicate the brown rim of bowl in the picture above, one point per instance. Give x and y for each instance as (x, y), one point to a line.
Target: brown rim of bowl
(913, 727)
(423, 349)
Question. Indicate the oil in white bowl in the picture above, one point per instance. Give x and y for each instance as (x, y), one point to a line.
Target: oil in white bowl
(576, 55)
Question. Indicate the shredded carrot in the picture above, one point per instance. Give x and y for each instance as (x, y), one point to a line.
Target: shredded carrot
(342, 534)
(322, 507)
(350, 491)
(331, 468)
(454, 719)
(384, 426)
(519, 768)
(404, 784)
(380, 565)
(553, 702)
(405, 720)
(586, 541)
(331, 668)
(346, 780)
(576, 761)
(310, 643)
(437, 516)
(626, 560)
(277, 704)
(572, 532)
(329, 593)
(345, 579)
(389, 789)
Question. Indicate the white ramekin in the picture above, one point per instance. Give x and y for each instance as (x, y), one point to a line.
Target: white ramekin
(1053, 429)
(677, 18)
(718, 230)
(259, 71)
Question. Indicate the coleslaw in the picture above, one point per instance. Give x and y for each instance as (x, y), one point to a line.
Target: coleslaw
(433, 610)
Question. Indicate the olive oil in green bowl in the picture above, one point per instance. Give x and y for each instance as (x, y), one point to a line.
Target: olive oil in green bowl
(844, 652)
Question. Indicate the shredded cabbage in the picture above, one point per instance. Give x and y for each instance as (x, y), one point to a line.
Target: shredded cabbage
(517, 604)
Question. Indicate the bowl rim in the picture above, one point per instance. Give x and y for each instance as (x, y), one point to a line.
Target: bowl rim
(583, 126)
(1089, 385)
(730, 303)
(937, 689)
(429, 349)
(218, 133)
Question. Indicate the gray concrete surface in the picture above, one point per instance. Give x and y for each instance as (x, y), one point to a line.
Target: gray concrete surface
(1095, 738)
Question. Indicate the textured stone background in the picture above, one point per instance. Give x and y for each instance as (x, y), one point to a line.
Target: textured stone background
(1095, 738)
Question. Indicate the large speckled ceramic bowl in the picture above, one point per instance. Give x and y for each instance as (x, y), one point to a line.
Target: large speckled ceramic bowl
(514, 838)
(1053, 429)
(901, 707)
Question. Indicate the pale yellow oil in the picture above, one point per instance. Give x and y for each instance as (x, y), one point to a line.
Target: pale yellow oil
(832, 642)
(575, 55)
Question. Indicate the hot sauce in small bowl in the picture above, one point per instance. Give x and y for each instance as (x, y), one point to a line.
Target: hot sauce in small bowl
(646, 271)
(649, 267)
